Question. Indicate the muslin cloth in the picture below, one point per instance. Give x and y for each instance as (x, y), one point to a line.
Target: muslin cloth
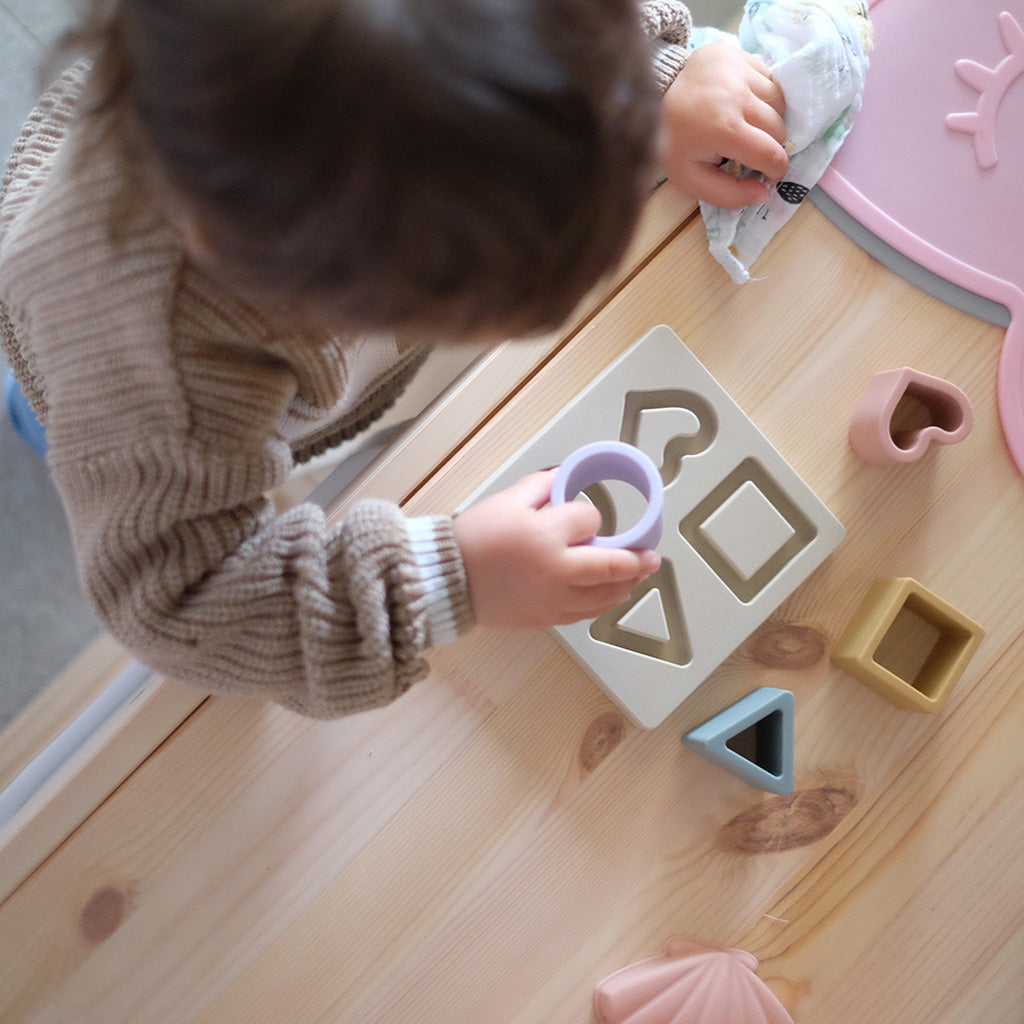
(818, 53)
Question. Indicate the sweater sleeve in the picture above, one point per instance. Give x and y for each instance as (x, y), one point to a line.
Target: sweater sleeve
(668, 24)
(326, 620)
(165, 442)
(170, 414)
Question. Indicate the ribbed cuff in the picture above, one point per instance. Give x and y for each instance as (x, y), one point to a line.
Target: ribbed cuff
(668, 61)
(668, 24)
(443, 577)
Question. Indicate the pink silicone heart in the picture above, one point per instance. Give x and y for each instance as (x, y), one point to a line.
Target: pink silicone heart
(876, 434)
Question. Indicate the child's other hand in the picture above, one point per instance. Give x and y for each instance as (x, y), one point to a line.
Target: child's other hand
(527, 567)
(723, 105)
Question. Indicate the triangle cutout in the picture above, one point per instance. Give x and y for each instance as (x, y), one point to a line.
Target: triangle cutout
(753, 739)
(647, 618)
(620, 628)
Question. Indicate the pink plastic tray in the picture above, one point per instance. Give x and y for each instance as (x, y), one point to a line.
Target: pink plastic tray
(933, 165)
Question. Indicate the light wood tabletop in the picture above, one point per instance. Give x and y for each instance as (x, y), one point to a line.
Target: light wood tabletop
(490, 846)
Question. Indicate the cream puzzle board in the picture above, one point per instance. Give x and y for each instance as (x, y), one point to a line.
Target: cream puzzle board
(742, 529)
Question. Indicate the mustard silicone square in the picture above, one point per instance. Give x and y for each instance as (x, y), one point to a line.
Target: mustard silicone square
(908, 644)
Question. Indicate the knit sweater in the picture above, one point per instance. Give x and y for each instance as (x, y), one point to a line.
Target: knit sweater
(172, 407)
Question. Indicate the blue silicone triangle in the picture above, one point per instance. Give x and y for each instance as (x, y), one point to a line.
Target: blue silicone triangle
(769, 766)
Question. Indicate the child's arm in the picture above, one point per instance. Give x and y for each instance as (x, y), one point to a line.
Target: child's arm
(326, 620)
(723, 105)
(526, 565)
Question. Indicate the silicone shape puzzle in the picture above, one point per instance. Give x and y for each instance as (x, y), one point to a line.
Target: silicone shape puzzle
(742, 530)
(615, 460)
(958, 112)
(690, 983)
(753, 739)
(746, 530)
(902, 412)
(907, 644)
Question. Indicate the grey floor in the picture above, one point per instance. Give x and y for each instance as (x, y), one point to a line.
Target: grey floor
(44, 621)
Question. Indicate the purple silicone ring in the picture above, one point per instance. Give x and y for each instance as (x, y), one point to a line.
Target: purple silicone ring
(615, 460)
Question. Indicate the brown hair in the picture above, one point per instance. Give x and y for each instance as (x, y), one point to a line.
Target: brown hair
(464, 164)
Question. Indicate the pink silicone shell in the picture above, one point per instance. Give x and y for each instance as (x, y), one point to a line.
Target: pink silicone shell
(934, 163)
(875, 439)
(690, 983)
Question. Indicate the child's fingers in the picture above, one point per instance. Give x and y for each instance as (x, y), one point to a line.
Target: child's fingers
(764, 86)
(773, 95)
(594, 601)
(719, 188)
(590, 566)
(533, 491)
(573, 523)
(757, 63)
(765, 118)
(762, 150)
(588, 602)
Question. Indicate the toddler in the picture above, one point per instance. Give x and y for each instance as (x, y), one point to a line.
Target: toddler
(229, 236)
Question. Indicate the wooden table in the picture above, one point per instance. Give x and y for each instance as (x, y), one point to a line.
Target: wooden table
(490, 846)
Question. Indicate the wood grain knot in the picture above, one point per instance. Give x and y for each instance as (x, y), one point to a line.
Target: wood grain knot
(603, 735)
(786, 822)
(786, 645)
(103, 914)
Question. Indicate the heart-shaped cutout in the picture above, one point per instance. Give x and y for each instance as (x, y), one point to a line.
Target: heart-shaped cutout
(699, 421)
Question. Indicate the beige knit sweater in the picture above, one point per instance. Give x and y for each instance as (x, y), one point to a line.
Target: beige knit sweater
(172, 407)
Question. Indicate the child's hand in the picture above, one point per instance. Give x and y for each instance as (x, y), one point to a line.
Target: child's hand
(526, 566)
(723, 105)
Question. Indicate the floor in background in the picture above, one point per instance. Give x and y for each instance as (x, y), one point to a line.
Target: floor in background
(44, 621)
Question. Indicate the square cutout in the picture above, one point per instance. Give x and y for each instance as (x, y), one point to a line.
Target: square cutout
(746, 530)
(748, 553)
